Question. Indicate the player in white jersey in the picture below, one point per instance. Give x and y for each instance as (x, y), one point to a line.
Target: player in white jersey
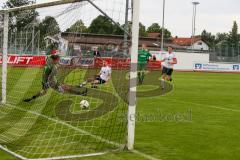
(103, 76)
(169, 61)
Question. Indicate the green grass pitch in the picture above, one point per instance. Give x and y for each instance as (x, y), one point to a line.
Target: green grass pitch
(198, 120)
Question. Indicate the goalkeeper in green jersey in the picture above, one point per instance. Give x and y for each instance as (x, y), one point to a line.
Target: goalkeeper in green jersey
(143, 58)
(49, 77)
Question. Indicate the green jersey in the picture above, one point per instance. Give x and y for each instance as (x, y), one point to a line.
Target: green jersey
(50, 71)
(143, 56)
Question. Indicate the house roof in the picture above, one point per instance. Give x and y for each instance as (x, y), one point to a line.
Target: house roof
(102, 39)
(185, 41)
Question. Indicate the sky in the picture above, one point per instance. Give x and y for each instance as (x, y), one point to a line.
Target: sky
(213, 15)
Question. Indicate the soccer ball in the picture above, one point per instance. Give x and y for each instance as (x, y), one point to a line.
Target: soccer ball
(84, 104)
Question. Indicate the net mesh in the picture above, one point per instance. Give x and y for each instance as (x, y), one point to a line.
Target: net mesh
(54, 124)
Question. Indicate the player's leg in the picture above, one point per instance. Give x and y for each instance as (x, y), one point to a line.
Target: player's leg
(139, 72)
(98, 81)
(169, 74)
(144, 68)
(164, 77)
(89, 80)
(142, 76)
(45, 87)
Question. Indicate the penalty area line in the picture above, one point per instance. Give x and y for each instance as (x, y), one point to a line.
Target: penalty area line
(204, 105)
(144, 155)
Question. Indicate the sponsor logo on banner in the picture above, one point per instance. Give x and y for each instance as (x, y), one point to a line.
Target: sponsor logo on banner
(219, 67)
(198, 66)
(65, 61)
(85, 62)
(24, 60)
(236, 67)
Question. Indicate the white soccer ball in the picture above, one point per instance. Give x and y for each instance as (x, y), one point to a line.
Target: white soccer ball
(84, 104)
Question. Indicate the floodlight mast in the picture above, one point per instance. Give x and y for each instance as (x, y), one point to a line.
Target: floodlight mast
(194, 22)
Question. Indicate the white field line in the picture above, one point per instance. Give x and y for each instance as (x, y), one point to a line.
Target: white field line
(205, 105)
(76, 129)
(12, 153)
(144, 155)
(53, 158)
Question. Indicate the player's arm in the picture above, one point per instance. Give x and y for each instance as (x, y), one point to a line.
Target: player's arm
(164, 59)
(174, 61)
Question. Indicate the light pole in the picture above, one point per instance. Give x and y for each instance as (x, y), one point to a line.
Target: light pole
(194, 21)
(163, 22)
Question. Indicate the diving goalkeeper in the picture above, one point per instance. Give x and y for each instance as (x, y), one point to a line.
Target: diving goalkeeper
(49, 78)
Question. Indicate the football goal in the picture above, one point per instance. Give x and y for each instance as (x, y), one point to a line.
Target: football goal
(68, 74)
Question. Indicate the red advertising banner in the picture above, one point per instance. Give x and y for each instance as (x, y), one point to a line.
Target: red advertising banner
(117, 63)
(25, 60)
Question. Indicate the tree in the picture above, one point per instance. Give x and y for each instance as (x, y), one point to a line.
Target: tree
(154, 28)
(221, 37)
(208, 38)
(233, 35)
(167, 33)
(21, 19)
(142, 30)
(78, 27)
(101, 25)
(117, 30)
(48, 27)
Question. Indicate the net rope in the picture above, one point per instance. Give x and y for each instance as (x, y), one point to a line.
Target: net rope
(54, 125)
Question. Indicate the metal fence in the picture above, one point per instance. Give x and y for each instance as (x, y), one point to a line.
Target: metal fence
(225, 53)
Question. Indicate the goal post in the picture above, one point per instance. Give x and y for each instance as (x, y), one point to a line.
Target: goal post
(133, 75)
(4, 56)
(55, 125)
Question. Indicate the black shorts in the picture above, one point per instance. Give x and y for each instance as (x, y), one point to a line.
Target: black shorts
(167, 71)
(101, 81)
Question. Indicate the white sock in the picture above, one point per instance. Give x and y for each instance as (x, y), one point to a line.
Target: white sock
(163, 83)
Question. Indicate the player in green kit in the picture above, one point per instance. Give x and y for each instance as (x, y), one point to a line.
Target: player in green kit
(143, 58)
(49, 77)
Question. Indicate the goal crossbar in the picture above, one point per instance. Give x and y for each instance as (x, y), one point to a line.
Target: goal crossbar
(39, 5)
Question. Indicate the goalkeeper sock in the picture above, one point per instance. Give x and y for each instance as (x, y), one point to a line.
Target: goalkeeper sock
(143, 76)
(139, 77)
(163, 83)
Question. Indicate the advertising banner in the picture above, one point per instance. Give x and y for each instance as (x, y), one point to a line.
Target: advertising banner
(216, 67)
(25, 60)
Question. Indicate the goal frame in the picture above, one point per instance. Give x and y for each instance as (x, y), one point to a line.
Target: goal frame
(133, 50)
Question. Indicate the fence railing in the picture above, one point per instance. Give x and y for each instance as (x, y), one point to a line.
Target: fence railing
(225, 53)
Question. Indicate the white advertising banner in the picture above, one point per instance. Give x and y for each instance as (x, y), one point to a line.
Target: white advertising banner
(216, 67)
